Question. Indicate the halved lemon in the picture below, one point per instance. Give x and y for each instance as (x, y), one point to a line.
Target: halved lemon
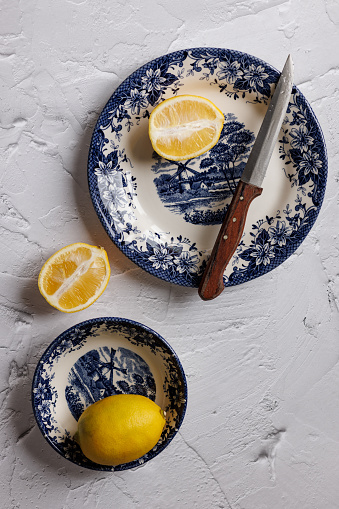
(74, 277)
(185, 126)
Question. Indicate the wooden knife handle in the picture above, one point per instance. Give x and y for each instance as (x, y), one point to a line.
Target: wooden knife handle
(227, 241)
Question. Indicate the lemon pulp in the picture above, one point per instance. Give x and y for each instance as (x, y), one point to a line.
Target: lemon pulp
(74, 277)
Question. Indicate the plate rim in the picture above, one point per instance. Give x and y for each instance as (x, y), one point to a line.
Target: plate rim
(131, 255)
(99, 321)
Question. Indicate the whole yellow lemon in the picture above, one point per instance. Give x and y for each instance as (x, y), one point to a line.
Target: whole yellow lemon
(119, 429)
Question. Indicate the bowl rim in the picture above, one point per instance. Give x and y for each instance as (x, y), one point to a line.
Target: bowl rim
(111, 320)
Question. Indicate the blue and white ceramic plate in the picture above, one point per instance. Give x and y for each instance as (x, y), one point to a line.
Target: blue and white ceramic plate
(164, 215)
(98, 358)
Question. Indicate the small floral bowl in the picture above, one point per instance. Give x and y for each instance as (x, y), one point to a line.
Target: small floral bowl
(95, 359)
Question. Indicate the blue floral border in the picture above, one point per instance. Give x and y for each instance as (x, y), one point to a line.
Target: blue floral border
(237, 75)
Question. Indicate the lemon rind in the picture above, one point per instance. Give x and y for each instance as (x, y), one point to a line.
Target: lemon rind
(90, 301)
(152, 129)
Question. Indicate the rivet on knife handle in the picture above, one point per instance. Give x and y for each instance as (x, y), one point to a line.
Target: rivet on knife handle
(228, 240)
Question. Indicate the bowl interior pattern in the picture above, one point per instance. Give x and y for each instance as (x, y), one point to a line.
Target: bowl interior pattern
(99, 358)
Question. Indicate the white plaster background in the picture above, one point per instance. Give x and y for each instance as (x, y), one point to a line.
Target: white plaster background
(262, 361)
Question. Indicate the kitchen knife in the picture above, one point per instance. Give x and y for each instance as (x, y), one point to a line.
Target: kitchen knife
(248, 188)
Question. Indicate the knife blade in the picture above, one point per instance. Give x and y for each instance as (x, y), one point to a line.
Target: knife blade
(248, 188)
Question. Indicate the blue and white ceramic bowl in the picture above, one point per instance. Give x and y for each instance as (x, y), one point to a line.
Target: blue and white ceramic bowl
(165, 215)
(95, 359)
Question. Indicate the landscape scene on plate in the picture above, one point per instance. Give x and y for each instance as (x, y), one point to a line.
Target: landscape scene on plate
(199, 190)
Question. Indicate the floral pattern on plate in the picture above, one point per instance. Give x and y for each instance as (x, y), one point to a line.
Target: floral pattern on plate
(168, 226)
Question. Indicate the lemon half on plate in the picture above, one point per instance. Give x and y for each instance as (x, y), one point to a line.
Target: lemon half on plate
(184, 127)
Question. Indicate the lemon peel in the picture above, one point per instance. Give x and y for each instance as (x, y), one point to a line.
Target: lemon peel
(119, 429)
(185, 126)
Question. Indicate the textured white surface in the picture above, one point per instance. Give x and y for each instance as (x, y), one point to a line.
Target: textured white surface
(262, 361)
